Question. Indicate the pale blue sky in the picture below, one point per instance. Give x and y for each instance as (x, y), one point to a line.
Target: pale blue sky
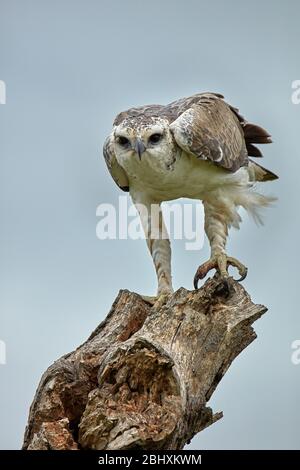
(69, 67)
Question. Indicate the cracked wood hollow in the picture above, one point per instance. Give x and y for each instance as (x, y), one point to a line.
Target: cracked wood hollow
(143, 378)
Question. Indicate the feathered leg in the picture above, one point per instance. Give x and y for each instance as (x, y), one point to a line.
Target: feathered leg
(158, 243)
(216, 229)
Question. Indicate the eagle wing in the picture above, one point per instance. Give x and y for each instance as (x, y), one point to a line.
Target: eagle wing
(116, 171)
(212, 130)
(203, 125)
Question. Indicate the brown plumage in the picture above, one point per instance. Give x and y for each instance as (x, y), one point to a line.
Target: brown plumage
(203, 125)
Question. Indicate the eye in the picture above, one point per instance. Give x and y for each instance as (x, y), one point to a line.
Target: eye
(155, 138)
(123, 141)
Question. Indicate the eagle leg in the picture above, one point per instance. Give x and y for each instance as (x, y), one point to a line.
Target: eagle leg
(220, 262)
(218, 216)
(159, 246)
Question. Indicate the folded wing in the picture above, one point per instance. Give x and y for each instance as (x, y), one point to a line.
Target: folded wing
(212, 130)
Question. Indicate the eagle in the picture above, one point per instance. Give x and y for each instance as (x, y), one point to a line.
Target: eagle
(197, 147)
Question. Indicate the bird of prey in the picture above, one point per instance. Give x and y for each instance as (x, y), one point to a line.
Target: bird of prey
(196, 147)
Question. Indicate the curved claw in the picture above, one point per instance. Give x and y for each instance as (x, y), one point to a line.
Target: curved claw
(243, 271)
(220, 263)
(243, 276)
(203, 270)
(196, 280)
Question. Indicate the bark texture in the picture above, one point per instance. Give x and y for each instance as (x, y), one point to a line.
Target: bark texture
(143, 378)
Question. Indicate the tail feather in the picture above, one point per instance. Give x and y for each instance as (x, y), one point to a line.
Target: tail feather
(253, 151)
(253, 134)
(259, 173)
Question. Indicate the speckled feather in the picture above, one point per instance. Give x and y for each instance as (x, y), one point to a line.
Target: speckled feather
(203, 125)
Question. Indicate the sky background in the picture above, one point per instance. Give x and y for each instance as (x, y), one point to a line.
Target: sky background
(69, 67)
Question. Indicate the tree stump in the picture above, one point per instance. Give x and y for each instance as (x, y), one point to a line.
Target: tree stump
(143, 378)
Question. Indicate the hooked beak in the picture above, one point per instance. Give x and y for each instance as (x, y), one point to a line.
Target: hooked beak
(139, 148)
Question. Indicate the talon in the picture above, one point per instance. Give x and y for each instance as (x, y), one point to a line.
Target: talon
(196, 280)
(243, 275)
(243, 271)
(149, 299)
(203, 270)
(220, 262)
(159, 299)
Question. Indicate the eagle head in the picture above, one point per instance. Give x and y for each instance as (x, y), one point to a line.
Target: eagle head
(142, 138)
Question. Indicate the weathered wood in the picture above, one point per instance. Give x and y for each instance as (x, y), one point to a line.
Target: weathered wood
(145, 375)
